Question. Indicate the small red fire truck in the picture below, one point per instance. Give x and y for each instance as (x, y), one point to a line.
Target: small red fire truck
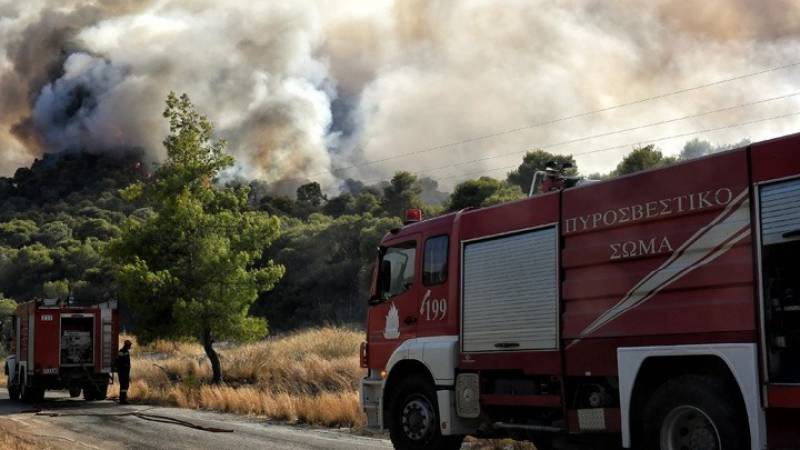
(659, 309)
(57, 346)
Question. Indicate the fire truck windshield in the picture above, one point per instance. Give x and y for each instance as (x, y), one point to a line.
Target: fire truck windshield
(397, 269)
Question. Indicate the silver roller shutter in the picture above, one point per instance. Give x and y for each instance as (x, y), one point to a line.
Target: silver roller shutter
(780, 211)
(510, 297)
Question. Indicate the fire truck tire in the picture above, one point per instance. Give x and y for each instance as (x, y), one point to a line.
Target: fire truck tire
(32, 394)
(95, 391)
(694, 412)
(89, 393)
(74, 392)
(103, 391)
(414, 418)
(13, 390)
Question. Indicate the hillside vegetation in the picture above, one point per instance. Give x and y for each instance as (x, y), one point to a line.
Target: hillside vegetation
(58, 216)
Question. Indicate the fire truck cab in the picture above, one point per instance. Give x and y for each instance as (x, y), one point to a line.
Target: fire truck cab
(658, 310)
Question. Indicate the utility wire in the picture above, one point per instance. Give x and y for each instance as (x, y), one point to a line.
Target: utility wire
(609, 133)
(664, 138)
(559, 119)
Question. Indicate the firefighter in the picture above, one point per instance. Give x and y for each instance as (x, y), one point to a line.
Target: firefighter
(124, 371)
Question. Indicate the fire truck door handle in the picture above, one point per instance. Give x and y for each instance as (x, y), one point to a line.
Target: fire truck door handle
(792, 234)
(410, 320)
(507, 345)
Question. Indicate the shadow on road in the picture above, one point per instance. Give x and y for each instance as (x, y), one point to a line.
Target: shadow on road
(54, 401)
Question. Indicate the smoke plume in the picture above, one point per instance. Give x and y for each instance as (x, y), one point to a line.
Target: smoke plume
(322, 89)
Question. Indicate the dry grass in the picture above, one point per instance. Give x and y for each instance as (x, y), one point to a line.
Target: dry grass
(310, 377)
(13, 442)
(12, 438)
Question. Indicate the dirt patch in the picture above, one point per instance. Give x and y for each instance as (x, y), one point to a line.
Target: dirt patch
(497, 444)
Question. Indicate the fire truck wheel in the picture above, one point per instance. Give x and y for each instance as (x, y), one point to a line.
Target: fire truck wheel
(414, 418)
(102, 393)
(95, 391)
(89, 393)
(13, 390)
(74, 392)
(694, 412)
(32, 394)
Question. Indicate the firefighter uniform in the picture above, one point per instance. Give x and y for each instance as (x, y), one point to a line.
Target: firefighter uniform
(124, 371)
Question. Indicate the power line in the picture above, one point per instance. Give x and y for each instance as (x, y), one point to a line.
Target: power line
(652, 141)
(560, 119)
(610, 133)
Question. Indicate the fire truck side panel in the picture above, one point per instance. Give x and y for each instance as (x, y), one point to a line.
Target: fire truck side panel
(661, 276)
(506, 220)
(739, 358)
(510, 296)
(46, 359)
(510, 217)
(776, 159)
(782, 428)
(670, 244)
(27, 339)
(775, 172)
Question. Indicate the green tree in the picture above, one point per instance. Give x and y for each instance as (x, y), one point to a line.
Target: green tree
(339, 205)
(431, 195)
(695, 149)
(309, 199)
(97, 227)
(538, 160)
(328, 265)
(311, 193)
(482, 192)
(54, 233)
(402, 193)
(368, 202)
(56, 289)
(7, 309)
(193, 268)
(17, 233)
(642, 158)
(276, 205)
(32, 266)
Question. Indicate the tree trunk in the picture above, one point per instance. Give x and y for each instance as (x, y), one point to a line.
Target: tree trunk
(213, 357)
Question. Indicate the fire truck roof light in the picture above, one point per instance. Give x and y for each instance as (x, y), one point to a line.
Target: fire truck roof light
(413, 215)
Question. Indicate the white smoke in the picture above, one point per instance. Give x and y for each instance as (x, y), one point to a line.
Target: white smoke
(302, 88)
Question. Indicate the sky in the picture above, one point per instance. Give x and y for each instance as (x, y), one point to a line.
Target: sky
(326, 90)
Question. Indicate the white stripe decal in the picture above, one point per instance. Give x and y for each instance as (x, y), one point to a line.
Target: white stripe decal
(708, 244)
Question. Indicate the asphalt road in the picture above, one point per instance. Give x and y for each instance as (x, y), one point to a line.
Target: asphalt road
(64, 423)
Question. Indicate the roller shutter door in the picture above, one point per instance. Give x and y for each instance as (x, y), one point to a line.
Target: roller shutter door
(510, 295)
(780, 212)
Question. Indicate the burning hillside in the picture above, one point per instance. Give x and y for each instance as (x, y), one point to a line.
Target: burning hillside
(303, 88)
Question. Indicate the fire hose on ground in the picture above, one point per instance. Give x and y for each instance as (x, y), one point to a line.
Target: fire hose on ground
(141, 415)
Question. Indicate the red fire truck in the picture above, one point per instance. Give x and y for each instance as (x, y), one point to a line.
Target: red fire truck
(659, 309)
(57, 346)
